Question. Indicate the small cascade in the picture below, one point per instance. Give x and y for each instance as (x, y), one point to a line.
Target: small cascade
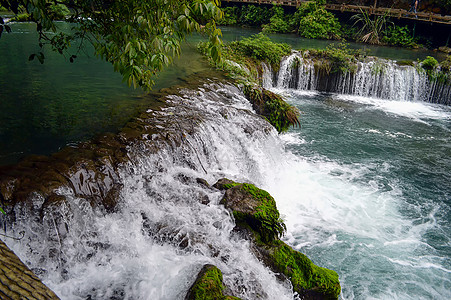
(373, 78)
(169, 222)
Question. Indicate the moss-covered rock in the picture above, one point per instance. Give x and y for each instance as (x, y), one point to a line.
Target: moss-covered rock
(279, 113)
(258, 219)
(309, 280)
(208, 286)
(254, 207)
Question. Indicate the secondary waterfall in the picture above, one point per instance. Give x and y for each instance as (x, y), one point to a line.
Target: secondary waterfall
(374, 78)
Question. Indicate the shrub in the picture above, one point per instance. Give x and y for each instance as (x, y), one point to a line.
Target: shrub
(230, 17)
(320, 24)
(445, 65)
(260, 47)
(59, 11)
(276, 25)
(399, 36)
(371, 28)
(254, 15)
(429, 63)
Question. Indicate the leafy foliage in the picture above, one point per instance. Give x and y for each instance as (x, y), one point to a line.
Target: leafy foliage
(336, 58)
(260, 47)
(138, 37)
(279, 113)
(371, 28)
(277, 23)
(320, 24)
(429, 63)
(230, 16)
(254, 15)
(399, 36)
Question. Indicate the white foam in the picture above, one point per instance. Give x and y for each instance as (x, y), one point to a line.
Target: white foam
(419, 111)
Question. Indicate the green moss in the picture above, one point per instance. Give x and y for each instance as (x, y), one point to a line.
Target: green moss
(265, 220)
(208, 286)
(279, 113)
(230, 185)
(305, 275)
(429, 63)
(335, 58)
(405, 63)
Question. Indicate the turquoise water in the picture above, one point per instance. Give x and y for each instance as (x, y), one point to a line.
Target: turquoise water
(368, 193)
(46, 107)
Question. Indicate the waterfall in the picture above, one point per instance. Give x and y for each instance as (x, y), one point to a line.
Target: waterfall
(377, 78)
(168, 223)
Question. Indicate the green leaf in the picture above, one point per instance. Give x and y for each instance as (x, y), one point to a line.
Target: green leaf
(2, 211)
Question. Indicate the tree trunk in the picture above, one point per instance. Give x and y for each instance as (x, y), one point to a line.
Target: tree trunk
(19, 282)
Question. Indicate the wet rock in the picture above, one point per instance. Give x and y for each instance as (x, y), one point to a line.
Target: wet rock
(208, 285)
(202, 182)
(253, 207)
(257, 219)
(224, 184)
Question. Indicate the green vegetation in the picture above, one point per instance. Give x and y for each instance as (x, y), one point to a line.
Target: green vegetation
(436, 71)
(242, 59)
(277, 23)
(303, 274)
(279, 113)
(445, 65)
(335, 58)
(266, 219)
(242, 62)
(208, 286)
(261, 48)
(139, 38)
(254, 207)
(371, 28)
(315, 22)
(399, 36)
(312, 20)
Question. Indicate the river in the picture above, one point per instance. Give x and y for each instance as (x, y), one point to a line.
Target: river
(363, 187)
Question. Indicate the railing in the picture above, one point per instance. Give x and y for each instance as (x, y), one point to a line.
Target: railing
(278, 2)
(391, 12)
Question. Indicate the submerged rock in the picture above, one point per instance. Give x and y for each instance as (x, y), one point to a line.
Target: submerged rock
(208, 286)
(257, 218)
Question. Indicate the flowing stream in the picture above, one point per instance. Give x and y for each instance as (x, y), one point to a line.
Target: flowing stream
(364, 187)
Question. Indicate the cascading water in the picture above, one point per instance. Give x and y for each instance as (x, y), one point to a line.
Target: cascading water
(167, 224)
(363, 188)
(373, 78)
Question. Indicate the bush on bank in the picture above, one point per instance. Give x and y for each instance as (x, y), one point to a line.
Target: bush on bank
(312, 20)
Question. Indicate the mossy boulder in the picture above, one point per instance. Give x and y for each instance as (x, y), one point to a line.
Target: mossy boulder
(208, 286)
(309, 280)
(254, 207)
(279, 113)
(258, 219)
